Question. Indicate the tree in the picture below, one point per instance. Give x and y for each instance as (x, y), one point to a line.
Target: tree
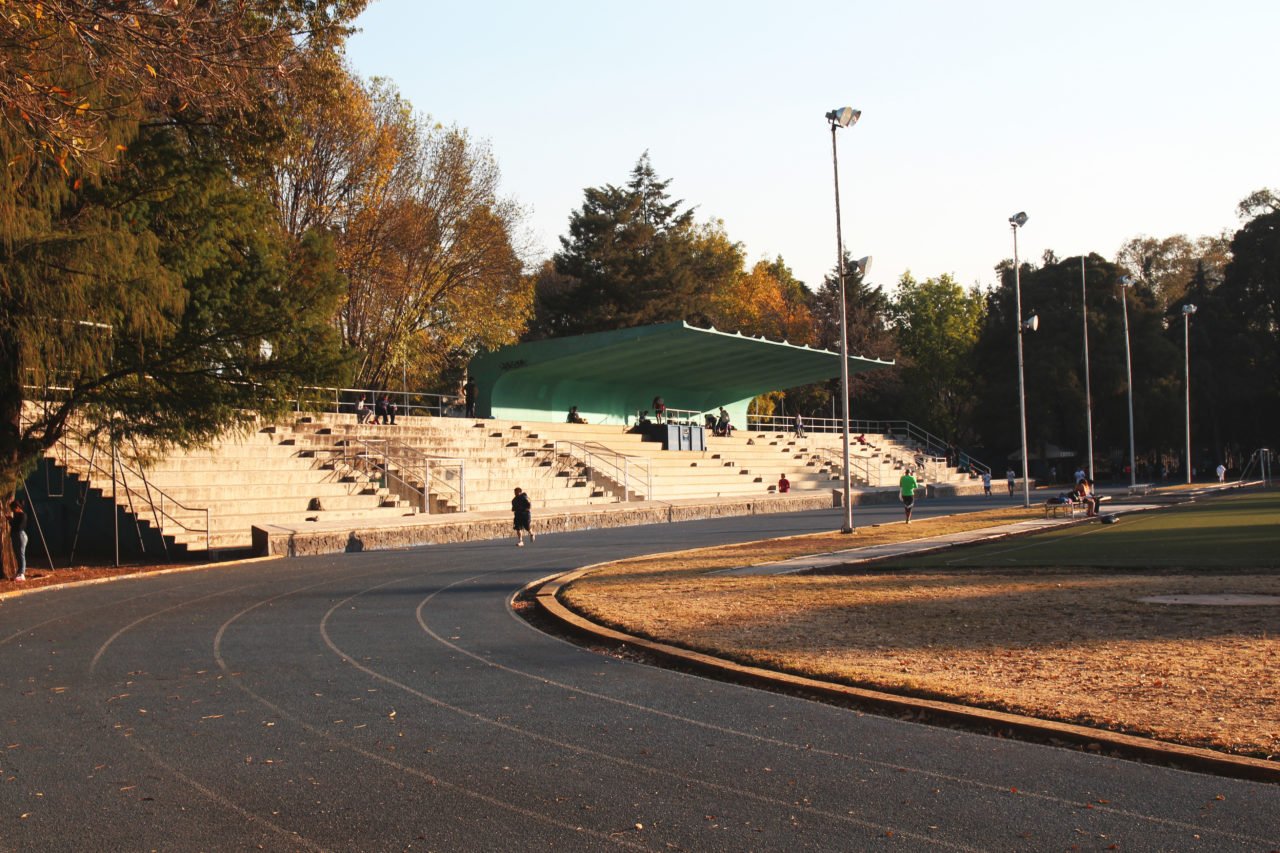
(1245, 320)
(131, 250)
(764, 302)
(76, 77)
(868, 316)
(1165, 266)
(633, 257)
(1053, 364)
(427, 245)
(937, 324)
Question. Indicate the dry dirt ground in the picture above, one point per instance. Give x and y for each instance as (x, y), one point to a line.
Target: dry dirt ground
(1066, 644)
(44, 577)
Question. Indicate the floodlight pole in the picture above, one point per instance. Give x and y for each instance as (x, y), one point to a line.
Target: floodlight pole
(1088, 397)
(1014, 223)
(1125, 283)
(1187, 311)
(842, 118)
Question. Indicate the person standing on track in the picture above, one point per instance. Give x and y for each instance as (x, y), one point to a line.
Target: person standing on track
(522, 509)
(907, 486)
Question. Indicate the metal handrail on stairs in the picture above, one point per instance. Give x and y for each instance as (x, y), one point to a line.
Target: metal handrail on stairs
(633, 474)
(385, 457)
(159, 512)
(860, 465)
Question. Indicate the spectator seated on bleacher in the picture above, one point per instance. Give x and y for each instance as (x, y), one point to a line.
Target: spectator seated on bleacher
(574, 417)
(709, 421)
(642, 419)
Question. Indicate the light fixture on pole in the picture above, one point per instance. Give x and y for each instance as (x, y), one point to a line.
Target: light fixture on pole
(1015, 222)
(838, 118)
(1125, 284)
(1187, 311)
(1088, 397)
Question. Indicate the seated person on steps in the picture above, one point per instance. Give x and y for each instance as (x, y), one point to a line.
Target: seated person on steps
(574, 417)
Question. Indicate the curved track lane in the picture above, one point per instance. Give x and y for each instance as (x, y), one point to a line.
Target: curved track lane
(392, 701)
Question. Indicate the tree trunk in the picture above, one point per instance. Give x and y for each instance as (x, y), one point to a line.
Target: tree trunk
(11, 462)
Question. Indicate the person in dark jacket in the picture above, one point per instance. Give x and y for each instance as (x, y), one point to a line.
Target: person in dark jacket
(522, 509)
(469, 394)
(18, 537)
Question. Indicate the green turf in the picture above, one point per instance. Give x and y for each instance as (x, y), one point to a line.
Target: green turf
(1240, 530)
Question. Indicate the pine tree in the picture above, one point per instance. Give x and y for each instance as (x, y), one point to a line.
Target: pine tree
(632, 256)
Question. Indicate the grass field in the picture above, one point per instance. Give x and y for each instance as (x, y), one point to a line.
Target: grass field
(1234, 531)
(1051, 625)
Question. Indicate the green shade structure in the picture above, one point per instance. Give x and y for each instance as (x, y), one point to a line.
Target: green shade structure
(610, 376)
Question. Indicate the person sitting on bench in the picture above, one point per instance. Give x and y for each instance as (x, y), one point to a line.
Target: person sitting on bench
(1085, 494)
(574, 417)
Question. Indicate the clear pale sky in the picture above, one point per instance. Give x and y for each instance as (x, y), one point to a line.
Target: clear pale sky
(1103, 120)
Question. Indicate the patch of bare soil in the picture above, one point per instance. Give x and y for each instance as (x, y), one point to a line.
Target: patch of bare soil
(1074, 645)
(45, 577)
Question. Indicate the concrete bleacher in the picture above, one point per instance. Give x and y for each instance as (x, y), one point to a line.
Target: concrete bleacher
(301, 471)
(238, 482)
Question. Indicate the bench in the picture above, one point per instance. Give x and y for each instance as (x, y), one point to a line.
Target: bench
(1140, 488)
(1053, 506)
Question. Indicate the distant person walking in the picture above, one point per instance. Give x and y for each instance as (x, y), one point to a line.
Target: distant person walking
(1222, 473)
(522, 510)
(907, 486)
(798, 426)
(1012, 478)
(986, 483)
(362, 410)
(659, 409)
(380, 410)
(18, 537)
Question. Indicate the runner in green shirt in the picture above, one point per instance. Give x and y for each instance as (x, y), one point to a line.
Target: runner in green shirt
(908, 486)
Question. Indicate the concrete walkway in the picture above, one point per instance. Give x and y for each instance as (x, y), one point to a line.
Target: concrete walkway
(853, 556)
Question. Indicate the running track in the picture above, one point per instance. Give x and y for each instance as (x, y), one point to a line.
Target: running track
(391, 701)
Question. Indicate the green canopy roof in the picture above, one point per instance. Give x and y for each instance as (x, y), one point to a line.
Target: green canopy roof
(609, 376)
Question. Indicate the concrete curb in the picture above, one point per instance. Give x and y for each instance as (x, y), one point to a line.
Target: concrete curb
(15, 593)
(1162, 752)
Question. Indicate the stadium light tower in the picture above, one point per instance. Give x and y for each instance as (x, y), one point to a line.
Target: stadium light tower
(838, 118)
(1088, 396)
(1187, 311)
(1015, 222)
(1125, 284)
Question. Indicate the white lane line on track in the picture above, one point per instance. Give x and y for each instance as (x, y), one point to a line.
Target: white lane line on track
(930, 774)
(213, 795)
(205, 791)
(27, 630)
(381, 759)
(102, 650)
(530, 734)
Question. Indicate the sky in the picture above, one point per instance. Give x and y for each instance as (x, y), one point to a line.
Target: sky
(1102, 120)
